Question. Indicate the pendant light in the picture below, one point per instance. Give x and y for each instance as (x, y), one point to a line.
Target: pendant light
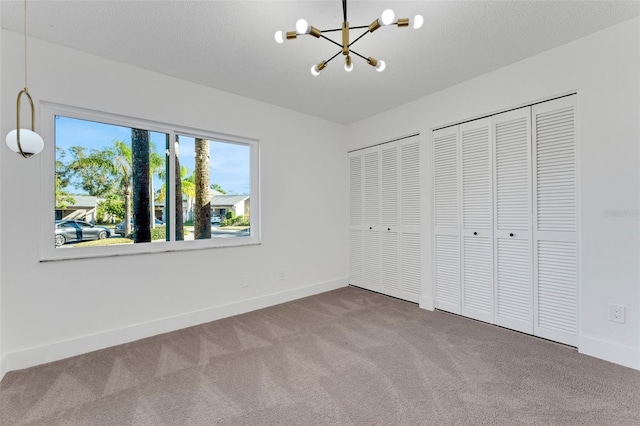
(24, 141)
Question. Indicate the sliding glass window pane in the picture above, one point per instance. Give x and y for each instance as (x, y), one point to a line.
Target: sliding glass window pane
(215, 189)
(108, 183)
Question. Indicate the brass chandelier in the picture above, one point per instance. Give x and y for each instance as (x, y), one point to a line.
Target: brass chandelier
(386, 18)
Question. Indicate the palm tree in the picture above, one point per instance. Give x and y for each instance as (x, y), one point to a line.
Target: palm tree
(156, 167)
(185, 186)
(141, 177)
(120, 157)
(202, 222)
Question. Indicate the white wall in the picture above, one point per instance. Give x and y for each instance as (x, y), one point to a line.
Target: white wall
(2, 364)
(604, 69)
(57, 309)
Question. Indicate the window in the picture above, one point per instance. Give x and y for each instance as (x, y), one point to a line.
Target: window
(124, 186)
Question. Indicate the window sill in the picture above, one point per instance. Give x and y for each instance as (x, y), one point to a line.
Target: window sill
(63, 254)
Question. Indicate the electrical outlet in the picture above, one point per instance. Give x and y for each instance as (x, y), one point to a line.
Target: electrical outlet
(283, 276)
(244, 281)
(617, 313)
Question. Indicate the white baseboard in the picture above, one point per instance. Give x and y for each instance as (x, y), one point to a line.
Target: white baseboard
(3, 371)
(64, 349)
(427, 303)
(612, 352)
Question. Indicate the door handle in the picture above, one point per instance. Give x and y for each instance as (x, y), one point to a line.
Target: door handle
(511, 234)
(475, 233)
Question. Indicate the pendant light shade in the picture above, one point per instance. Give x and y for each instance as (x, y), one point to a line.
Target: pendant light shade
(30, 142)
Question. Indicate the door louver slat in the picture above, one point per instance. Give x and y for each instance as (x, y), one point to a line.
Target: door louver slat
(447, 269)
(446, 181)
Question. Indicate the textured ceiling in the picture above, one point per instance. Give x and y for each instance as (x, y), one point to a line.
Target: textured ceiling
(229, 45)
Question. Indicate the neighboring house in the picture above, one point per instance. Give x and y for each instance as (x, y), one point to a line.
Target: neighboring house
(221, 204)
(158, 209)
(83, 208)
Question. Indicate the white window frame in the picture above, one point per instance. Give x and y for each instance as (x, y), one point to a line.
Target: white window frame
(48, 251)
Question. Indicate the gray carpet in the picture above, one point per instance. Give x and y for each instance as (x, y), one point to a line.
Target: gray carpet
(344, 357)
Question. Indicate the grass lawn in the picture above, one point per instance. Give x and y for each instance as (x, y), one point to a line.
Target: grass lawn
(105, 242)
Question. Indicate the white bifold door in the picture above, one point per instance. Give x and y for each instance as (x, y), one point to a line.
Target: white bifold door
(512, 206)
(476, 219)
(446, 230)
(555, 223)
(505, 220)
(385, 219)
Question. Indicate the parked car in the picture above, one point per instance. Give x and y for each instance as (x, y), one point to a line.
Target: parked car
(215, 220)
(78, 230)
(119, 229)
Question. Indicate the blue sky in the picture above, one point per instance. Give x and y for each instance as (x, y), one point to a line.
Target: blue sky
(229, 163)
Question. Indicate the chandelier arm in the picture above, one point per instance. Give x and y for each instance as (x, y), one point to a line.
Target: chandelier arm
(356, 53)
(362, 35)
(332, 41)
(333, 57)
(340, 29)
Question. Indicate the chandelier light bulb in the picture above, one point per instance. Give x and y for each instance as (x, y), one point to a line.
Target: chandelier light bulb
(279, 38)
(315, 71)
(418, 21)
(302, 26)
(381, 66)
(31, 142)
(387, 17)
(348, 65)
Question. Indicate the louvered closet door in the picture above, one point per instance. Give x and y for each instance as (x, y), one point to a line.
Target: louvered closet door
(477, 219)
(371, 252)
(446, 229)
(356, 235)
(410, 220)
(555, 222)
(512, 220)
(390, 237)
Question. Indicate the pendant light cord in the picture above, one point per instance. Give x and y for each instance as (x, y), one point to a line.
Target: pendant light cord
(25, 44)
(344, 10)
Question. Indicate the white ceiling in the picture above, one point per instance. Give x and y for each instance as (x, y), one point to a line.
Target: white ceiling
(229, 45)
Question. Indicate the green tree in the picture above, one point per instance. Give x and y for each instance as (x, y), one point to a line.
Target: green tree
(63, 198)
(111, 207)
(63, 179)
(89, 175)
(157, 168)
(218, 188)
(116, 163)
(185, 185)
(179, 188)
